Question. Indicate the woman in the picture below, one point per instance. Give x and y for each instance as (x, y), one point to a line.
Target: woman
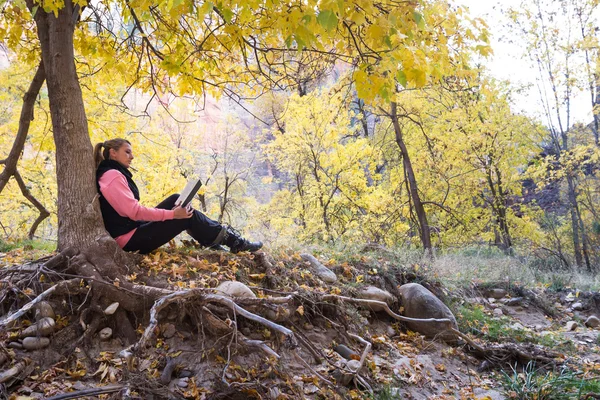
(143, 229)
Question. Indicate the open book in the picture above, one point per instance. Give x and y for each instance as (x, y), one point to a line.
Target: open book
(188, 193)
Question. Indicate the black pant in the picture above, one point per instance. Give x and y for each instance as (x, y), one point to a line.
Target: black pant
(152, 235)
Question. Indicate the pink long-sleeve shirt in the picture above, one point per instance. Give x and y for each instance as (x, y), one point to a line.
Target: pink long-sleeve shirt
(114, 188)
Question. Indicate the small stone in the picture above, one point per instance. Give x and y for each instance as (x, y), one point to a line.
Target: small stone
(592, 321)
(308, 326)
(577, 306)
(169, 331)
(517, 326)
(274, 393)
(44, 327)
(496, 293)
(15, 345)
(322, 271)
(310, 388)
(186, 373)
(234, 289)
(515, 301)
(491, 300)
(571, 326)
(374, 293)
(35, 343)
(498, 312)
(44, 310)
(105, 333)
(110, 310)
(391, 331)
(182, 383)
(353, 365)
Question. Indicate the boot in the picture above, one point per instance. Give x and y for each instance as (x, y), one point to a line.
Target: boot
(236, 243)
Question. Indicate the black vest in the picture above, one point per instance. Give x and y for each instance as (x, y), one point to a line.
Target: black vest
(115, 224)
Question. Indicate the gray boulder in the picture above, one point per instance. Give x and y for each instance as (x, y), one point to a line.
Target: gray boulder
(592, 321)
(418, 302)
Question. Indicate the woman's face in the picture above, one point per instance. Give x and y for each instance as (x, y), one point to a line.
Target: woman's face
(124, 155)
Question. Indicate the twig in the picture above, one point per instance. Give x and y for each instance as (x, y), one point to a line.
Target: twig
(365, 351)
(87, 392)
(261, 345)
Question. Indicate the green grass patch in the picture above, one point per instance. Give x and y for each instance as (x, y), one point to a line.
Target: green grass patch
(26, 245)
(538, 384)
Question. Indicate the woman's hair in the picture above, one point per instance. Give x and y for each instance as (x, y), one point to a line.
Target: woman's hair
(114, 144)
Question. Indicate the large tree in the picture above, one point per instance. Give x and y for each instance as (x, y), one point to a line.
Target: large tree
(232, 48)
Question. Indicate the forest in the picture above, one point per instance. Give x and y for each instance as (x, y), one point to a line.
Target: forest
(369, 133)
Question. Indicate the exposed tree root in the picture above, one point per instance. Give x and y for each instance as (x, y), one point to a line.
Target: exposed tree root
(14, 371)
(88, 392)
(509, 353)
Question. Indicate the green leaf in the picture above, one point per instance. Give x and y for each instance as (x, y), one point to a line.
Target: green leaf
(34, 11)
(327, 19)
(419, 19)
(401, 78)
(227, 14)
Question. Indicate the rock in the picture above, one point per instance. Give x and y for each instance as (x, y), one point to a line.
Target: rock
(517, 326)
(185, 373)
(105, 333)
(496, 293)
(182, 383)
(390, 331)
(374, 293)
(498, 312)
(515, 301)
(571, 326)
(35, 343)
(346, 352)
(44, 310)
(322, 271)
(353, 365)
(110, 310)
(577, 306)
(43, 327)
(15, 345)
(235, 289)
(169, 331)
(418, 302)
(491, 300)
(310, 388)
(592, 321)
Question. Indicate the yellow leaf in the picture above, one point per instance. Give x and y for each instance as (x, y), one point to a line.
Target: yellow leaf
(300, 310)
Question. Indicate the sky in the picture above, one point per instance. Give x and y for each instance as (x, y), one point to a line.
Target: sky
(507, 62)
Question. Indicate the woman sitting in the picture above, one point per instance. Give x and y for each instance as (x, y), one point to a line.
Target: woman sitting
(143, 229)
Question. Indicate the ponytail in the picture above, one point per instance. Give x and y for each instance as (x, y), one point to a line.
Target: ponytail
(100, 155)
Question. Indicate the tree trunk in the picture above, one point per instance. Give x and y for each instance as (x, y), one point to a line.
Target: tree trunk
(424, 230)
(572, 195)
(79, 220)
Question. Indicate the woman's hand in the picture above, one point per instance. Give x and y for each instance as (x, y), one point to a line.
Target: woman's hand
(183, 212)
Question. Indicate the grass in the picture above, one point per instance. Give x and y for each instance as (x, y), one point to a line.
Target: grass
(26, 244)
(537, 384)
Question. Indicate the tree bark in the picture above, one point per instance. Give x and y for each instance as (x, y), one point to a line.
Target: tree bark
(424, 230)
(79, 220)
